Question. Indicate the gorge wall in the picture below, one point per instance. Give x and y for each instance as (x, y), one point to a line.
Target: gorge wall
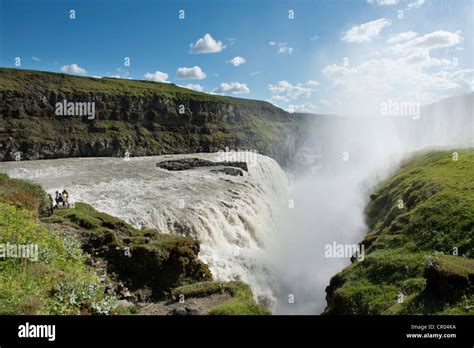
(136, 117)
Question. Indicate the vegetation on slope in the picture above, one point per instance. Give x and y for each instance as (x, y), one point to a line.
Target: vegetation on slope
(140, 258)
(19, 80)
(241, 303)
(59, 282)
(419, 253)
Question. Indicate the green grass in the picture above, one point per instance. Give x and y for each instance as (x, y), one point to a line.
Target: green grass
(438, 197)
(406, 241)
(18, 79)
(24, 194)
(59, 282)
(84, 215)
(241, 302)
(458, 265)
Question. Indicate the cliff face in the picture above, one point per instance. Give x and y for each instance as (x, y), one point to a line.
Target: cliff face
(138, 117)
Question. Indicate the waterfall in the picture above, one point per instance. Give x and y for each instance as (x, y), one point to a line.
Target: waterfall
(234, 217)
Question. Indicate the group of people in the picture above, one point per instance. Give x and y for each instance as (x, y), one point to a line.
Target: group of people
(62, 199)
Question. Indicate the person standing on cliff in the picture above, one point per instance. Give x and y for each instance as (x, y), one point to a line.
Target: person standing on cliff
(59, 199)
(56, 199)
(65, 195)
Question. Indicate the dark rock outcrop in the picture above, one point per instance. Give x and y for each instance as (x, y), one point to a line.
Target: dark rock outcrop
(229, 171)
(191, 163)
(146, 262)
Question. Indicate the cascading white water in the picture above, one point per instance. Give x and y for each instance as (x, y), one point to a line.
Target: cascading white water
(232, 216)
(328, 208)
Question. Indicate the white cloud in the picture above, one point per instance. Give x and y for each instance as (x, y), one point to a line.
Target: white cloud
(436, 39)
(233, 87)
(424, 60)
(255, 73)
(312, 84)
(36, 59)
(283, 48)
(307, 107)
(314, 37)
(364, 86)
(416, 4)
(206, 44)
(73, 69)
(121, 74)
(194, 73)
(410, 68)
(401, 37)
(324, 102)
(285, 91)
(278, 98)
(194, 87)
(383, 2)
(236, 61)
(366, 32)
(304, 108)
(157, 76)
(336, 71)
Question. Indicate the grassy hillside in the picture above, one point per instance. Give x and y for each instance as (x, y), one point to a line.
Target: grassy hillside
(141, 117)
(18, 80)
(419, 252)
(59, 282)
(82, 266)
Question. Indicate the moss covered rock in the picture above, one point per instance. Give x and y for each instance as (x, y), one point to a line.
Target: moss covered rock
(241, 301)
(139, 258)
(449, 276)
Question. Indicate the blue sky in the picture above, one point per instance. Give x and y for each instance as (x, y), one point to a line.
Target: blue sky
(331, 54)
